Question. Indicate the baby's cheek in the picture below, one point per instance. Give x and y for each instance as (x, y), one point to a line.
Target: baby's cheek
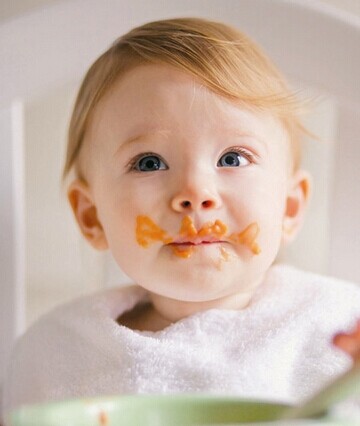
(248, 237)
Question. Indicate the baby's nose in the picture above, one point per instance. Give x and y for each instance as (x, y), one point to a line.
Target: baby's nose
(194, 202)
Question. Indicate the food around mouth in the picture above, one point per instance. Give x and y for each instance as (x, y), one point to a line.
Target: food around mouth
(248, 237)
(148, 232)
(187, 227)
(185, 254)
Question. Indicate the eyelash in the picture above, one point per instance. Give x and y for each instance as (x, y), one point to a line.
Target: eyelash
(132, 163)
(130, 166)
(242, 151)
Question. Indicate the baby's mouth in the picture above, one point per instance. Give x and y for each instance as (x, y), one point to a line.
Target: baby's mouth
(211, 233)
(185, 249)
(196, 244)
(197, 241)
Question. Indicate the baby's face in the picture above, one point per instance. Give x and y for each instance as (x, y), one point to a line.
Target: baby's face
(164, 149)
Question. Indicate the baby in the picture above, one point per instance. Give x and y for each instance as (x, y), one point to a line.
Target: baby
(184, 148)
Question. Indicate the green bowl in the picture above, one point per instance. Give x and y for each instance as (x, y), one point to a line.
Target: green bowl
(135, 410)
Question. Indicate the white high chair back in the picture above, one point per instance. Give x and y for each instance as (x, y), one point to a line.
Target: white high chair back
(315, 45)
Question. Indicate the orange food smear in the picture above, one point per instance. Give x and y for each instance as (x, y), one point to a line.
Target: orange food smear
(217, 229)
(186, 253)
(224, 254)
(187, 227)
(148, 232)
(247, 237)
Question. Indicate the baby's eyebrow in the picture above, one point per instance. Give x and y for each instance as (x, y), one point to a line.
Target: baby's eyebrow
(226, 131)
(142, 137)
(146, 135)
(230, 131)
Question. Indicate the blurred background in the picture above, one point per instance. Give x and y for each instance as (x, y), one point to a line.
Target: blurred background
(45, 48)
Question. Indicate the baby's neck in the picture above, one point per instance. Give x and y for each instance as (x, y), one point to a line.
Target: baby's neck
(143, 318)
(160, 312)
(171, 310)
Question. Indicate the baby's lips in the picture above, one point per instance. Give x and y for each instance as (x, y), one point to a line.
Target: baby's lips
(198, 239)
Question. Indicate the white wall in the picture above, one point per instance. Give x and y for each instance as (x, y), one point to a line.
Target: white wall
(348, 6)
(345, 206)
(10, 9)
(12, 229)
(59, 264)
(311, 249)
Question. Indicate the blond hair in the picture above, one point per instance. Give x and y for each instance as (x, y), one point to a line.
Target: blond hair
(225, 60)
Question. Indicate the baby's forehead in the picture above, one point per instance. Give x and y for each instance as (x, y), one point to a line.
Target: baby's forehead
(169, 108)
(164, 98)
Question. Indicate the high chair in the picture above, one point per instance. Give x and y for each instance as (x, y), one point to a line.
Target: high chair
(46, 52)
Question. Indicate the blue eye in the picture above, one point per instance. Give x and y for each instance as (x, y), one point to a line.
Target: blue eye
(234, 159)
(149, 163)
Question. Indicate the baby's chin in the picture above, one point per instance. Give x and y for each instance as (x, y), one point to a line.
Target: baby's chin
(202, 291)
(177, 308)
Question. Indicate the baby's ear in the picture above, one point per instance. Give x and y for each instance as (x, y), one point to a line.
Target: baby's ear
(297, 200)
(81, 201)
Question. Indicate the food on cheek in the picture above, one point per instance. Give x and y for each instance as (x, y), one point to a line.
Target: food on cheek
(148, 232)
(248, 237)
